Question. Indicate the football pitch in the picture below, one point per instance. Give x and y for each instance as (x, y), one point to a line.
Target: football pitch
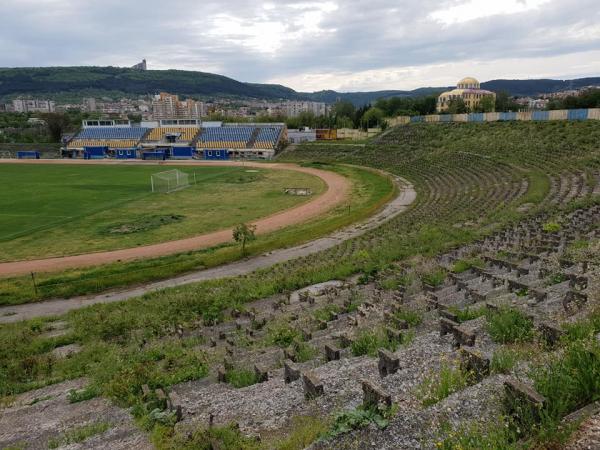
(56, 210)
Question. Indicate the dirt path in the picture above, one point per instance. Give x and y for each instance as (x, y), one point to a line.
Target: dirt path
(338, 188)
(404, 199)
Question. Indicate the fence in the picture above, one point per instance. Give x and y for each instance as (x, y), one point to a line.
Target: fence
(559, 114)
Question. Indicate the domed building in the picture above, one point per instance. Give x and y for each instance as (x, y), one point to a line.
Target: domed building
(469, 90)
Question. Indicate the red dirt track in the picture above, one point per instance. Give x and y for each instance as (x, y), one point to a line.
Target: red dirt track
(337, 191)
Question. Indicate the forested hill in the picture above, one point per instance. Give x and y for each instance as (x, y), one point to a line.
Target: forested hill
(71, 84)
(74, 83)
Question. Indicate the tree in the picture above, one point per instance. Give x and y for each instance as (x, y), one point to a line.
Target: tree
(244, 233)
(57, 124)
(343, 109)
(457, 106)
(373, 117)
(487, 104)
(505, 103)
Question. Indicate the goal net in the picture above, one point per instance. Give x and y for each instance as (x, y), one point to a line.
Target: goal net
(169, 181)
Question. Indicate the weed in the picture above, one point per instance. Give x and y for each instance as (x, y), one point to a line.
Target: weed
(79, 434)
(439, 385)
(508, 326)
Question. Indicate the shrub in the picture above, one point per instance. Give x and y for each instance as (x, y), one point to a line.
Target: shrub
(282, 334)
(359, 418)
(509, 325)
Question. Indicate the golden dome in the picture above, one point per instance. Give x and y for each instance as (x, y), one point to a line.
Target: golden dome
(468, 83)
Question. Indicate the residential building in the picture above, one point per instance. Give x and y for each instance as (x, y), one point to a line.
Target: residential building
(168, 106)
(29, 105)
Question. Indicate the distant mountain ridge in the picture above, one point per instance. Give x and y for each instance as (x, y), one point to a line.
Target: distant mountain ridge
(75, 83)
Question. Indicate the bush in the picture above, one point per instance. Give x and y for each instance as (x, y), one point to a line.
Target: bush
(359, 418)
(509, 325)
(282, 335)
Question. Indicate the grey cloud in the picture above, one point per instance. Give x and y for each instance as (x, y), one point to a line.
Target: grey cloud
(359, 35)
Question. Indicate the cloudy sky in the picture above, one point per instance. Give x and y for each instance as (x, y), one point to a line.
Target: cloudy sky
(347, 45)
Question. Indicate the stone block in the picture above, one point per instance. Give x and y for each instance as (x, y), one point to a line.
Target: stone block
(374, 395)
(261, 373)
(550, 333)
(332, 353)
(447, 326)
(475, 363)
(290, 372)
(463, 337)
(522, 402)
(313, 387)
(388, 363)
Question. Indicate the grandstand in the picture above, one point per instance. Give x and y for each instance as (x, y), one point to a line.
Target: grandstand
(226, 137)
(231, 140)
(183, 134)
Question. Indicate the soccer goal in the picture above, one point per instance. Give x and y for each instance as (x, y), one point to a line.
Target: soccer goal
(169, 181)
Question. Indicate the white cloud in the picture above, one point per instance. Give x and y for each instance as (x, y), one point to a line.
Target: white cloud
(311, 45)
(447, 74)
(476, 9)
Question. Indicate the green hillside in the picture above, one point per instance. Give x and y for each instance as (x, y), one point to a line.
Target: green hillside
(71, 84)
(74, 83)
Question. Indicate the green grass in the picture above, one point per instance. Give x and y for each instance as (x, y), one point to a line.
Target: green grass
(411, 317)
(240, 378)
(509, 325)
(370, 191)
(462, 265)
(112, 334)
(369, 341)
(439, 385)
(56, 210)
(504, 360)
(79, 434)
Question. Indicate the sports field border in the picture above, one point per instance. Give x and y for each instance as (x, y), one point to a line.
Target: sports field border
(338, 188)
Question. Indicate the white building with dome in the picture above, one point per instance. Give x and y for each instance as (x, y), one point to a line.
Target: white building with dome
(469, 90)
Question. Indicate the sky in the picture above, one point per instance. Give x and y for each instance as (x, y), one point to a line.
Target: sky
(345, 45)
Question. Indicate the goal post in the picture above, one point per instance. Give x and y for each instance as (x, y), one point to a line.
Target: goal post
(169, 181)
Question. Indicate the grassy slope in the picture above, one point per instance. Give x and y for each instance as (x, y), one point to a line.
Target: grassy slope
(370, 191)
(111, 334)
(63, 210)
